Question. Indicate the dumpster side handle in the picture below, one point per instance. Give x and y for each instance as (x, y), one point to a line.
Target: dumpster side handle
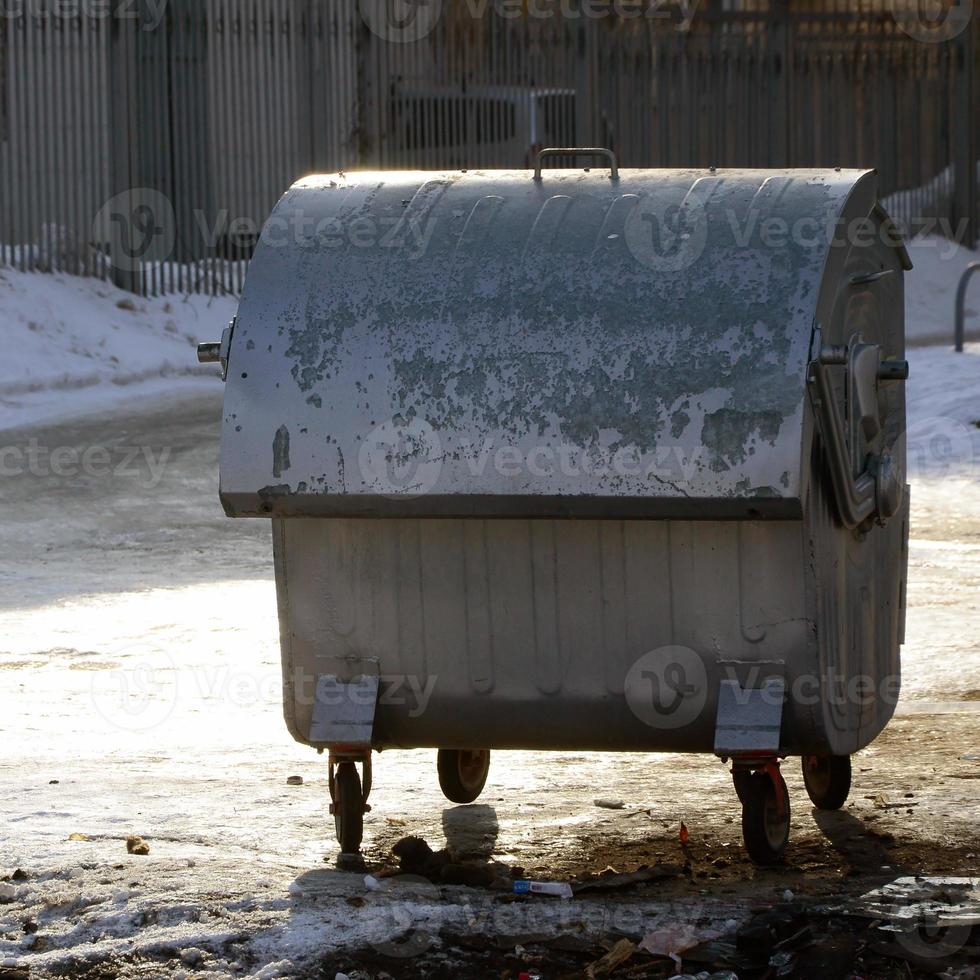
(858, 498)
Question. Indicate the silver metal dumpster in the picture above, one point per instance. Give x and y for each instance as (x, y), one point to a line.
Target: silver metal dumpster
(579, 459)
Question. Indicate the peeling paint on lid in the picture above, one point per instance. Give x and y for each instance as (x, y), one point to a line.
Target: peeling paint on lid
(650, 321)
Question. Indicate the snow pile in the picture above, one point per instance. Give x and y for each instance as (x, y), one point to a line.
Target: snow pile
(930, 290)
(73, 345)
(943, 404)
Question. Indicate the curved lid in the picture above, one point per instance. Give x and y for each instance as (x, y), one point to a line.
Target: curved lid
(486, 343)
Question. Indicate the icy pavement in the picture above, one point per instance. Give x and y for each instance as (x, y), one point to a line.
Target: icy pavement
(140, 695)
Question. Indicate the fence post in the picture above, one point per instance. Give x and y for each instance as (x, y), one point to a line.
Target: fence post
(965, 197)
(367, 151)
(586, 81)
(123, 137)
(781, 108)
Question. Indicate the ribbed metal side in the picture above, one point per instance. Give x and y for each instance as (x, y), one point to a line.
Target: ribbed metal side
(527, 629)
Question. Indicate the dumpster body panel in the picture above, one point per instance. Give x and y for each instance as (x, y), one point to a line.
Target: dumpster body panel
(579, 462)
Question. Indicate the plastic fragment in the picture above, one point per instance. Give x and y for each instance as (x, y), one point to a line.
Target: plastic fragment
(560, 889)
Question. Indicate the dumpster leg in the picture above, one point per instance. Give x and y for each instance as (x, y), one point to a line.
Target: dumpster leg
(348, 799)
(827, 779)
(765, 807)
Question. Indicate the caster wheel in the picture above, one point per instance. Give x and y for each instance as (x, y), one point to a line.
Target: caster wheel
(463, 773)
(765, 830)
(348, 807)
(827, 779)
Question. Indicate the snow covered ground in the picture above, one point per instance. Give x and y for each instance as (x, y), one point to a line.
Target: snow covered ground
(930, 291)
(73, 345)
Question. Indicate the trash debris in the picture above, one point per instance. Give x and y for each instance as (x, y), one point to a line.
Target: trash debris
(13, 973)
(8, 892)
(684, 835)
(781, 926)
(909, 902)
(136, 845)
(294, 780)
(880, 802)
(415, 856)
(610, 804)
(77, 836)
(788, 895)
(616, 956)
(411, 943)
(670, 941)
(612, 879)
(192, 956)
(560, 889)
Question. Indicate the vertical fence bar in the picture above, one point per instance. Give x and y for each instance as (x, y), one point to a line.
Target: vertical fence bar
(7, 144)
(965, 203)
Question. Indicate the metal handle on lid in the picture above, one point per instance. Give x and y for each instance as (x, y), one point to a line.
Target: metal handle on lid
(577, 151)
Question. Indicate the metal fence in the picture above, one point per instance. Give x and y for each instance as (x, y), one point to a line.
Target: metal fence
(148, 140)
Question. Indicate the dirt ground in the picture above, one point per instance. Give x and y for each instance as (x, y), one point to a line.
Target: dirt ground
(109, 576)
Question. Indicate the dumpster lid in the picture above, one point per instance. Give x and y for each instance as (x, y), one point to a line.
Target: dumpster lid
(485, 343)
